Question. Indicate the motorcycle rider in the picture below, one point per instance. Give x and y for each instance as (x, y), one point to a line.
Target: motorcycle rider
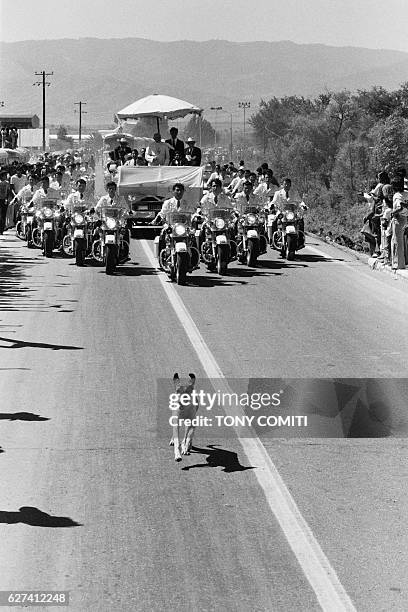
(216, 198)
(174, 204)
(113, 200)
(245, 198)
(76, 197)
(284, 200)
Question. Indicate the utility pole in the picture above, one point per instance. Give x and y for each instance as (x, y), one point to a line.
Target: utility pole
(216, 109)
(44, 84)
(81, 112)
(244, 105)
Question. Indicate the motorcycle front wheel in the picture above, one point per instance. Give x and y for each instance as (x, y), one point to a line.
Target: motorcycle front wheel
(110, 258)
(291, 240)
(67, 246)
(222, 259)
(181, 268)
(19, 232)
(79, 254)
(252, 253)
(36, 238)
(48, 239)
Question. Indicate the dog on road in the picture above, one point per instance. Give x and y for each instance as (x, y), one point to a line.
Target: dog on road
(183, 412)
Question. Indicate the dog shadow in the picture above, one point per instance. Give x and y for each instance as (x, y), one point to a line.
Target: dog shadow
(218, 457)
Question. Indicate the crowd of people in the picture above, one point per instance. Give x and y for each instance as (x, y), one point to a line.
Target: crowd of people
(385, 223)
(9, 137)
(19, 182)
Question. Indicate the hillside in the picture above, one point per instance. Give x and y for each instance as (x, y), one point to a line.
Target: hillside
(109, 74)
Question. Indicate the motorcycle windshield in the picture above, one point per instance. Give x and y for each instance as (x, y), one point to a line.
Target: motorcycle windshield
(111, 212)
(79, 208)
(251, 210)
(48, 204)
(220, 213)
(177, 217)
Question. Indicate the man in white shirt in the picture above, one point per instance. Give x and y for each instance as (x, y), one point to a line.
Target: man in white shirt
(157, 154)
(215, 198)
(44, 193)
(174, 204)
(112, 198)
(17, 181)
(76, 198)
(217, 174)
(266, 189)
(245, 198)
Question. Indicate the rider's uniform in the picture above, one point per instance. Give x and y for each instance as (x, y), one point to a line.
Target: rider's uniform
(265, 193)
(40, 195)
(75, 199)
(116, 202)
(173, 205)
(283, 201)
(25, 194)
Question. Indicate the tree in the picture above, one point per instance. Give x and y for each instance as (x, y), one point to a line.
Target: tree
(390, 138)
(192, 130)
(62, 132)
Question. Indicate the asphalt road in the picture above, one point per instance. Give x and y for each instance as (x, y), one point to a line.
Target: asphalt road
(107, 513)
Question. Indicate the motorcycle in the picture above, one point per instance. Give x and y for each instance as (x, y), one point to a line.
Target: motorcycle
(216, 249)
(47, 231)
(251, 240)
(289, 228)
(178, 257)
(77, 241)
(21, 225)
(111, 248)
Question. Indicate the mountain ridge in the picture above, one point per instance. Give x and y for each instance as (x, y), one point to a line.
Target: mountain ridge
(111, 73)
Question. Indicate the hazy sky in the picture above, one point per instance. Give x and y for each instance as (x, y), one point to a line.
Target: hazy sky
(362, 23)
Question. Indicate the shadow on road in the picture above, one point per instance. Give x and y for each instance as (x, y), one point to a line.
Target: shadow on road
(21, 416)
(133, 271)
(16, 344)
(218, 457)
(36, 518)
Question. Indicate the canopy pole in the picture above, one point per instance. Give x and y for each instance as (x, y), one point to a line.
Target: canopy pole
(158, 124)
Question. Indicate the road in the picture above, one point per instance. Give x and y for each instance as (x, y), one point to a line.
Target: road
(106, 512)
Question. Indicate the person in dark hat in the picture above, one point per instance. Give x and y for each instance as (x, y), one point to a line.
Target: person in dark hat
(177, 146)
(192, 153)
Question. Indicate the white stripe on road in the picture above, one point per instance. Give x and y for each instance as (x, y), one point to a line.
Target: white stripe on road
(330, 593)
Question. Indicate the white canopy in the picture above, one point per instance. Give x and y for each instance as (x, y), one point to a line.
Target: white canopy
(158, 106)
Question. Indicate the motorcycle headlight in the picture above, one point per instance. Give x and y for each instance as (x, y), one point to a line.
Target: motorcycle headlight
(219, 223)
(110, 223)
(38, 213)
(57, 215)
(47, 213)
(78, 218)
(290, 216)
(251, 219)
(179, 229)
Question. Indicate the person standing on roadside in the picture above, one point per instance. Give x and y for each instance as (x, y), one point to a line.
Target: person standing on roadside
(4, 199)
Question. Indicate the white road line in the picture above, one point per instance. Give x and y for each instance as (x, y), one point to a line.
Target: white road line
(330, 593)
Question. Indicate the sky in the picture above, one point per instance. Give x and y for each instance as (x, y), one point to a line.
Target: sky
(375, 24)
